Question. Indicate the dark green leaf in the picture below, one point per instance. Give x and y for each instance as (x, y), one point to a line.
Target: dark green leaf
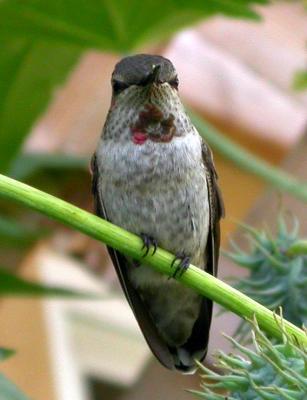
(26, 165)
(8, 391)
(41, 40)
(110, 25)
(300, 80)
(29, 74)
(6, 353)
(12, 285)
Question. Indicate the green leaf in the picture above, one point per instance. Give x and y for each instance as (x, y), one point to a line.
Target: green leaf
(300, 80)
(29, 71)
(14, 233)
(41, 41)
(26, 165)
(110, 25)
(6, 353)
(8, 391)
(12, 285)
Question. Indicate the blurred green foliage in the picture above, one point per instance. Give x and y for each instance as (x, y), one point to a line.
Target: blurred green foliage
(30, 71)
(26, 165)
(6, 353)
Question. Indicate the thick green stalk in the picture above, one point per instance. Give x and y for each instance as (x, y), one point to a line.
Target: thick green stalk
(130, 244)
(249, 162)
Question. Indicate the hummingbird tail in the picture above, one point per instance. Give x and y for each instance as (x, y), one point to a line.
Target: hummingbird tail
(185, 361)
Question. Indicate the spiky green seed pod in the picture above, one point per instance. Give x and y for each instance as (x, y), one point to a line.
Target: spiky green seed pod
(277, 272)
(269, 372)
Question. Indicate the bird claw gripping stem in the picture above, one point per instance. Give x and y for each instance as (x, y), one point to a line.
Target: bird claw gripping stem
(183, 264)
(148, 242)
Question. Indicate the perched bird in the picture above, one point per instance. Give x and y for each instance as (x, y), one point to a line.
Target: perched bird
(154, 176)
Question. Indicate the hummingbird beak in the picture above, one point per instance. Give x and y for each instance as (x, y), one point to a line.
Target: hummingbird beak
(153, 77)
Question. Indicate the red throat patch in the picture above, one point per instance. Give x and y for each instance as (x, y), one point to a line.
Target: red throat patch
(153, 117)
(139, 137)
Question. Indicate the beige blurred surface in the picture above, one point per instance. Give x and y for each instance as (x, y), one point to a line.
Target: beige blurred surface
(274, 49)
(237, 74)
(23, 328)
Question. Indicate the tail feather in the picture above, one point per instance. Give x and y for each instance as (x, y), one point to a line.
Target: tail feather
(185, 362)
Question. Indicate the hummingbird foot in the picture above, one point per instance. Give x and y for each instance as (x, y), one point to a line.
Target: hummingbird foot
(148, 241)
(182, 266)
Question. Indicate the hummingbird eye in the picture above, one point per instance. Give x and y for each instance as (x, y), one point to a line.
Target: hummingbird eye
(174, 83)
(119, 86)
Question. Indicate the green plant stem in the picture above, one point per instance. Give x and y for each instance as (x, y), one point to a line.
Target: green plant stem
(130, 244)
(249, 162)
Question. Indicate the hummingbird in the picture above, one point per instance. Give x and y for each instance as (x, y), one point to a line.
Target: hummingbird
(153, 175)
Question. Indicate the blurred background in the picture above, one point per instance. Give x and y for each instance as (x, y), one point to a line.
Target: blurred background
(241, 66)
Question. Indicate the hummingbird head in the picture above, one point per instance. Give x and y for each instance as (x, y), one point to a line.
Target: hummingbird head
(143, 70)
(145, 102)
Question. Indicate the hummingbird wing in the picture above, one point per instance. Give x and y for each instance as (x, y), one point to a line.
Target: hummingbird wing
(153, 339)
(196, 345)
(217, 211)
